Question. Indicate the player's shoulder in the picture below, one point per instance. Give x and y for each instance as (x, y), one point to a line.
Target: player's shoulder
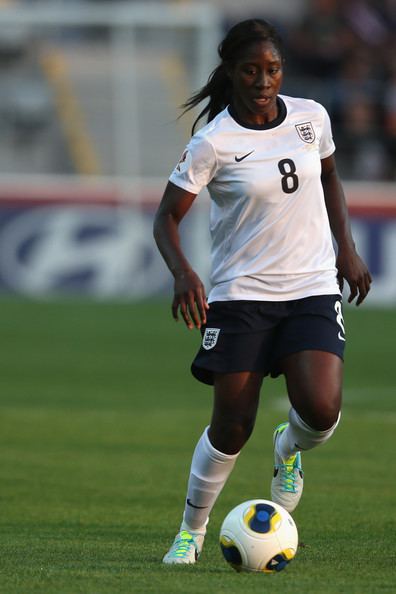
(215, 128)
(301, 105)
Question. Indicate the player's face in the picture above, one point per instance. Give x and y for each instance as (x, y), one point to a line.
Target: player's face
(256, 79)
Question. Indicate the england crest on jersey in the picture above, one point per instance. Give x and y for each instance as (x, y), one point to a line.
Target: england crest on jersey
(306, 132)
(210, 338)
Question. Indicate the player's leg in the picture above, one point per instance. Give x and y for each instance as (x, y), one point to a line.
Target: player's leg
(314, 384)
(236, 398)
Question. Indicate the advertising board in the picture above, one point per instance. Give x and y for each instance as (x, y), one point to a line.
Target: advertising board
(96, 241)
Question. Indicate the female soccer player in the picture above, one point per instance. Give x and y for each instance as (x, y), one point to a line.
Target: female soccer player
(275, 303)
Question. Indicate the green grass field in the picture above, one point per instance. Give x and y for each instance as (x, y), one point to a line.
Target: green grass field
(99, 417)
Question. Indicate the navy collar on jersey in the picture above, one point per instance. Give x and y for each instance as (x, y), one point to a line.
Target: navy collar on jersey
(282, 113)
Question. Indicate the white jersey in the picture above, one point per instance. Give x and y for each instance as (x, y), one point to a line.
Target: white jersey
(271, 237)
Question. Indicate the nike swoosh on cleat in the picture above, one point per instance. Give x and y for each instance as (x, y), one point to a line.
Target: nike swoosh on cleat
(196, 506)
(239, 159)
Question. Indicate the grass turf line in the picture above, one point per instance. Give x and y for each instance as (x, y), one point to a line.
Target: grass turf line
(99, 419)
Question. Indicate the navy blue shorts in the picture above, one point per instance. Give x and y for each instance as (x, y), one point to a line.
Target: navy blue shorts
(258, 335)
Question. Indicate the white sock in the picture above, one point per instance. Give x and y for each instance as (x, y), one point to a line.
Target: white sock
(300, 436)
(209, 471)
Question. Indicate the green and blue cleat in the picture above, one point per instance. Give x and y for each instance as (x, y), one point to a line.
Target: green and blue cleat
(288, 480)
(186, 549)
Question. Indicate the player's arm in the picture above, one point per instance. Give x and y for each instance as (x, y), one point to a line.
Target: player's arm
(189, 291)
(349, 264)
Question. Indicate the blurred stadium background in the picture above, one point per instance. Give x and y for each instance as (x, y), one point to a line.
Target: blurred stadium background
(89, 100)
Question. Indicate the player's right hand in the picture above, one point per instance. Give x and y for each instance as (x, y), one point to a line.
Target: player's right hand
(189, 299)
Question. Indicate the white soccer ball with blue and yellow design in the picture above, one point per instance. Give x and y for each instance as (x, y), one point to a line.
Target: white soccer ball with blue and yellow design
(259, 535)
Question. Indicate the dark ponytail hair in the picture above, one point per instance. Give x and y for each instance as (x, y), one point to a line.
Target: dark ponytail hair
(219, 87)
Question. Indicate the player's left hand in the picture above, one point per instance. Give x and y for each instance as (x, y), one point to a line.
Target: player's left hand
(351, 267)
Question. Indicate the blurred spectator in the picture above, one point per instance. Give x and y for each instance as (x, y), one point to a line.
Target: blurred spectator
(367, 21)
(362, 153)
(343, 52)
(390, 122)
(318, 44)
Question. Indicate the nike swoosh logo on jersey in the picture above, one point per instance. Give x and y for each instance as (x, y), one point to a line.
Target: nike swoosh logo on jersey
(239, 159)
(195, 506)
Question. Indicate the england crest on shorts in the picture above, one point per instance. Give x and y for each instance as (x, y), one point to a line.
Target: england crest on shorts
(306, 132)
(210, 338)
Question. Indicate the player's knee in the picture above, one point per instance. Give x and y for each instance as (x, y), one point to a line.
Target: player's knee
(323, 416)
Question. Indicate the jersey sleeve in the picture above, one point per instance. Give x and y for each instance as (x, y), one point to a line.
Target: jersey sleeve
(196, 166)
(326, 145)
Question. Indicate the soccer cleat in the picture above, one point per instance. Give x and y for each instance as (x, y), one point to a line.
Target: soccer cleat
(287, 483)
(185, 549)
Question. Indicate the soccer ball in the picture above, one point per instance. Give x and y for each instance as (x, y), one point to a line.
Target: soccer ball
(258, 535)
